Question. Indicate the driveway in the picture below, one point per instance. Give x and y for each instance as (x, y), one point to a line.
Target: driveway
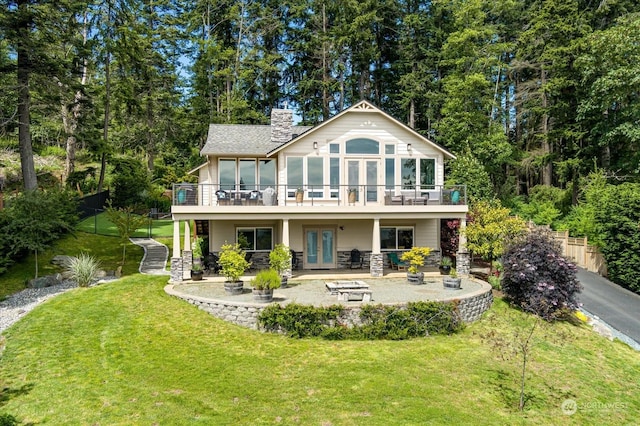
(618, 307)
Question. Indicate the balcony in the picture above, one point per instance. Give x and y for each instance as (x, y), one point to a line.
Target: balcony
(188, 194)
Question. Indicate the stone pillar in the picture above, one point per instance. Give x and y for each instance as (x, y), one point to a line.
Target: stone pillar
(463, 263)
(376, 265)
(176, 270)
(463, 259)
(187, 258)
(176, 260)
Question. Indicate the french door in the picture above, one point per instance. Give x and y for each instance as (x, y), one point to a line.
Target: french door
(362, 174)
(320, 248)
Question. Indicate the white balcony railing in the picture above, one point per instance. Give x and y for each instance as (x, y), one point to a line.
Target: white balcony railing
(190, 194)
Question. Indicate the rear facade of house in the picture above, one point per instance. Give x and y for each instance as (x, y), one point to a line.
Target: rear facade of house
(360, 181)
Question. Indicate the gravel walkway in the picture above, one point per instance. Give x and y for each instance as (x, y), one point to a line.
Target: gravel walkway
(19, 304)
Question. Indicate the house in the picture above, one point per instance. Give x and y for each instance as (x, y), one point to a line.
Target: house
(359, 180)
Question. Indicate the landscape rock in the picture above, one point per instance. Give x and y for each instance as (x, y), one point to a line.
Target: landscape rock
(46, 281)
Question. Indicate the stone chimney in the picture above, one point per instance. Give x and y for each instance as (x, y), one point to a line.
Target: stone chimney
(281, 124)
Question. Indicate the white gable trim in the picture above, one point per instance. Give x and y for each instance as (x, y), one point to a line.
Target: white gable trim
(363, 106)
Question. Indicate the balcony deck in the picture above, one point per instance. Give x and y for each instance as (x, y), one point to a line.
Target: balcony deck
(201, 195)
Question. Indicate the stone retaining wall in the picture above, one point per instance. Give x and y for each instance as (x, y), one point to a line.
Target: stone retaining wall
(246, 314)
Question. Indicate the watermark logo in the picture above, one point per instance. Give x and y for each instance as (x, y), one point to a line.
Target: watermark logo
(569, 407)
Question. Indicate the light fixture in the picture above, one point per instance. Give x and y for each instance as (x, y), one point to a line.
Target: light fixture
(315, 145)
(409, 147)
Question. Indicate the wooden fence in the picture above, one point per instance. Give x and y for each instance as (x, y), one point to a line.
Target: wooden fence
(578, 249)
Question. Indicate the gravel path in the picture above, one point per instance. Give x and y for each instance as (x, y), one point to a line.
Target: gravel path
(19, 304)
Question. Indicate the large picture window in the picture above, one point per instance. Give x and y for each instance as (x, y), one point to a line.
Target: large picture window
(396, 238)
(362, 146)
(255, 239)
(227, 170)
(427, 173)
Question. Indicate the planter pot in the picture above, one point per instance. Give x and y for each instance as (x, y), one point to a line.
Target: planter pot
(233, 287)
(299, 197)
(444, 270)
(352, 197)
(196, 275)
(284, 281)
(263, 296)
(451, 283)
(415, 278)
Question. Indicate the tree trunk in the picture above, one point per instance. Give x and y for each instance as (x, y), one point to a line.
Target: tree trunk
(29, 178)
(547, 168)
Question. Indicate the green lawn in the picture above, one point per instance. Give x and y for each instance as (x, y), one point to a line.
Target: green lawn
(126, 353)
(99, 224)
(106, 249)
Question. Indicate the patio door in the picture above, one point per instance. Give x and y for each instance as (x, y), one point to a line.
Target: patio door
(363, 175)
(319, 248)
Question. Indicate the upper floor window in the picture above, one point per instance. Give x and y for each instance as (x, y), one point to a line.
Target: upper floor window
(362, 146)
(411, 170)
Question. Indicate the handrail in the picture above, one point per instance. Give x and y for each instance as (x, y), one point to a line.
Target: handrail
(191, 194)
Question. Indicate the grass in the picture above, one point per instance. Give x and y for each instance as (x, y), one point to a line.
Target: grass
(126, 353)
(101, 225)
(105, 249)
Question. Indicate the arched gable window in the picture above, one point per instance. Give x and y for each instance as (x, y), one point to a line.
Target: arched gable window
(362, 146)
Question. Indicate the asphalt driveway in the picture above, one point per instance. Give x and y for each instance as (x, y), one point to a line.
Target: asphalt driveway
(618, 307)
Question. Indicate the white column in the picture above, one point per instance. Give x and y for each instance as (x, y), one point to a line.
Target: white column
(176, 238)
(187, 236)
(462, 237)
(375, 240)
(285, 232)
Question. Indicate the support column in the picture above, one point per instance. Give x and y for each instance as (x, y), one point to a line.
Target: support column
(463, 258)
(187, 259)
(176, 259)
(285, 240)
(376, 262)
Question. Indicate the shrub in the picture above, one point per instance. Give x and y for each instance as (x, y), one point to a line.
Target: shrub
(416, 257)
(538, 278)
(280, 258)
(82, 269)
(267, 279)
(8, 420)
(378, 322)
(299, 320)
(232, 262)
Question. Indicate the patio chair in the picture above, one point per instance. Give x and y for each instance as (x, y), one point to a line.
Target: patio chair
(356, 259)
(269, 197)
(294, 260)
(211, 263)
(395, 262)
(223, 197)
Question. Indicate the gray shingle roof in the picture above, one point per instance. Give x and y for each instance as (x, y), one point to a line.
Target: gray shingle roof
(242, 139)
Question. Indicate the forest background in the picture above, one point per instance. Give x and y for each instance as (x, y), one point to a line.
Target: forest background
(538, 99)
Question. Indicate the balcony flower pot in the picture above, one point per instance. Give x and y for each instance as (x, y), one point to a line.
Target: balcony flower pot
(299, 195)
(352, 195)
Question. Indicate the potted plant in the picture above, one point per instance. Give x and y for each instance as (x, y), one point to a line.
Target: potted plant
(264, 283)
(451, 281)
(232, 265)
(280, 261)
(197, 270)
(416, 258)
(352, 195)
(299, 195)
(445, 265)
